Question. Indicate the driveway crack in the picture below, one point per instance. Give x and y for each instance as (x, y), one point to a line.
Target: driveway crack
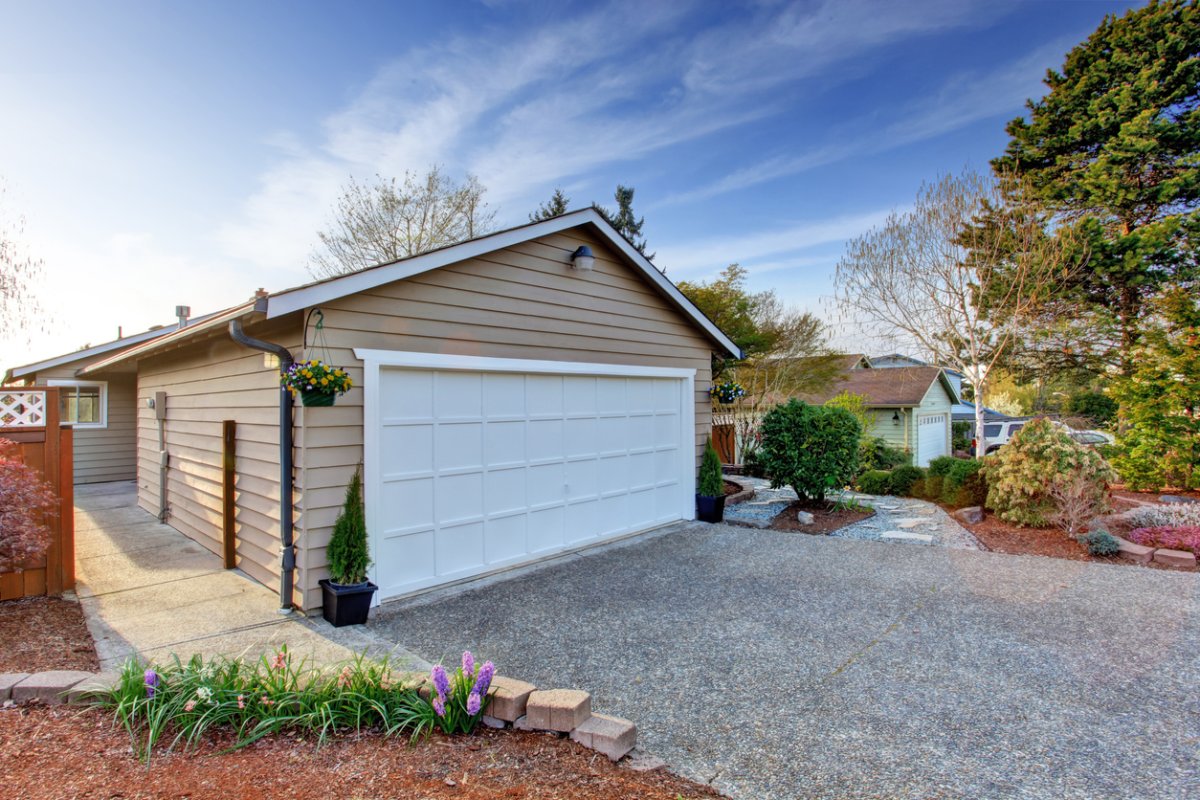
(892, 628)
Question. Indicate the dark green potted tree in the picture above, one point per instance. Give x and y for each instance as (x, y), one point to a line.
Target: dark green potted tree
(710, 499)
(347, 592)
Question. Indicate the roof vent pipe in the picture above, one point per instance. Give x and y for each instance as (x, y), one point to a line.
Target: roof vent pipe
(286, 489)
(183, 312)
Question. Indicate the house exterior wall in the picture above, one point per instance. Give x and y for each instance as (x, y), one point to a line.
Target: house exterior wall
(108, 453)
(898, 435)
(935, 401)
(519, 302)
(206, 383)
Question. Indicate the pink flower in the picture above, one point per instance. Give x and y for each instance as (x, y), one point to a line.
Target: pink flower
(344, 677)
(279, 661)
(189, 705)
(241, 701)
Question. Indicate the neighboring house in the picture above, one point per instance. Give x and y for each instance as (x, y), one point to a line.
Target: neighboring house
(963, 410)
(910, 406)
(102, 412)
(512, 400)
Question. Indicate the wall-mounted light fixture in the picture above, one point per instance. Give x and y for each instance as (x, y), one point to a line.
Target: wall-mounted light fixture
(895, 417)
(583, 259)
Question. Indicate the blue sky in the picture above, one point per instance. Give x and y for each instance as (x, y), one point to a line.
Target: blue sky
(166, 152)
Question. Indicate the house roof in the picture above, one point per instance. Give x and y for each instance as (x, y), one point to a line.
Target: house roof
(97, 350)
(308, 295)
(893, 387)
(278, 304)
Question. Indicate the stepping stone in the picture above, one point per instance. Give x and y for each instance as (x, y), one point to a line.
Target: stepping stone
(908, 524)
(906, 536)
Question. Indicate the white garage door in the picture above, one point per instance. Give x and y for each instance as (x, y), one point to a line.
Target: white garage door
(472, 470)
(931, 438)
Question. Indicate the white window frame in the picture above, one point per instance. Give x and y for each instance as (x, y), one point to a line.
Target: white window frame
(103, 386)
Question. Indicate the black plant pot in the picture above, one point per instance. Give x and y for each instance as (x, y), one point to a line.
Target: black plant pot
(710, 509)
(346, 604)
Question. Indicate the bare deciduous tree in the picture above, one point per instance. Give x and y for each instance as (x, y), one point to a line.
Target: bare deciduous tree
(959, 276)
(389, 219)
(19, 273)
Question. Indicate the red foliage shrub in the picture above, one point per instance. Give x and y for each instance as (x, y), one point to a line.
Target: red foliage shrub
(25, 502)
(1185, 537)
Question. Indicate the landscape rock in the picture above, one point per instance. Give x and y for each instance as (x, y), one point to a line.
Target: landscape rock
(804, 518)
(492, 722)
(1133, 552)
(641, 761)
(1175, 558)
(1175, 498)
(906, 536)
(971, 515)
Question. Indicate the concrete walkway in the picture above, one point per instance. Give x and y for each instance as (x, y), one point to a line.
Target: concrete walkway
(147, 589)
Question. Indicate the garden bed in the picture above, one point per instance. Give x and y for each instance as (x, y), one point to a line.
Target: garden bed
(826, 518)
(45, 633)
(66, 752)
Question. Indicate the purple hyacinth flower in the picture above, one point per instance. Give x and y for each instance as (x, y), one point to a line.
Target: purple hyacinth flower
(468, 665)
(485, 678)
(151, 682)
(441, 682)
(439, 707)
(474, 703)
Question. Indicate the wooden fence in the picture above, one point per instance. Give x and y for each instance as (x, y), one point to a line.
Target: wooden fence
(29, 416)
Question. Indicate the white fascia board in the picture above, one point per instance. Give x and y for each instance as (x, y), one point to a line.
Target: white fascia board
(80, 355)
(304, 297)
(414, 360)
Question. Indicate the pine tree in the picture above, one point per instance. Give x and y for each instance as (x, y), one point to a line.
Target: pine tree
(556, 206)
(1112, 148)
(624, 220)
(347, 551)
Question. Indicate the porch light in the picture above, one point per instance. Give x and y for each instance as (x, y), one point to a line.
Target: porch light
(582, 259)
(895, 417)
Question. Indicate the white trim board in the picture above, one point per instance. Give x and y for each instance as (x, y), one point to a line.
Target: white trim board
(314, 294)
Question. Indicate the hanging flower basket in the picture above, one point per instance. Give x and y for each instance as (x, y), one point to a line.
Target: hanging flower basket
(315, 382)
(726, 393)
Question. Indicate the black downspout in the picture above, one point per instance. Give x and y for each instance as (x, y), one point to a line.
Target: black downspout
(286, 492)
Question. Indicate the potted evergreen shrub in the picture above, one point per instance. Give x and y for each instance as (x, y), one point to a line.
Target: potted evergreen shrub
(347, 592)
(710, 499)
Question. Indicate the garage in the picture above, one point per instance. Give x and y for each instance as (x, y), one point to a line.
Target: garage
(481, 464)
(932, 438)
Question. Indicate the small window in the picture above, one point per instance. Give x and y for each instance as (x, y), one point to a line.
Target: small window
(991, 431)
(83, 404)
(1015, 428)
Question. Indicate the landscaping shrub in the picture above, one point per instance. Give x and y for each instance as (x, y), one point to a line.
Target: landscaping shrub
(1101, 543)
(1039, 461)
(903, 479)
(1173, 538)
(876, 454)
(941, 465)
(1097, 407)
(1166, 515)
(961, 433)
(712, 484)
(812, 449)
(875, 481)
(347, 551)
(964, 483)
(930, 488)
(25, 501)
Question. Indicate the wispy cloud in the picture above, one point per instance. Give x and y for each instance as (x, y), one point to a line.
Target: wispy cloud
(962, 100)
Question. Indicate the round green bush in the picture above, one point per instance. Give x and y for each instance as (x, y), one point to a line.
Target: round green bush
(812, 449)
(941, 466)
(964, 483)
(1101, 543)
(876, 454)
(1039, 460)
(930, 488)
(903, 479)
(875, 481)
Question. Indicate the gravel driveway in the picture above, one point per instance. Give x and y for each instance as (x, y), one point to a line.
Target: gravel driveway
(777, 665)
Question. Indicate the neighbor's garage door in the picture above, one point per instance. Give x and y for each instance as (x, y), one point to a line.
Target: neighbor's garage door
(931, 438)
(473, 471)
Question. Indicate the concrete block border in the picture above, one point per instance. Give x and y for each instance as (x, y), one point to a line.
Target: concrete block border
(746, 492)
(514, 703)
(1141, 554)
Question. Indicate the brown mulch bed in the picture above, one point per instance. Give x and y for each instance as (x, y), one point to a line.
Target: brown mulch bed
(731, 488)
(64, 752)
(44, 633)
(1002, 537)
(825, 518)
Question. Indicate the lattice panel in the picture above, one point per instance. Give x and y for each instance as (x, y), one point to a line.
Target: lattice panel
(22, 409)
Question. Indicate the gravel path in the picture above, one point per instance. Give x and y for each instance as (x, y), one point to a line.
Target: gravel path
(776, 666)
(897, 520)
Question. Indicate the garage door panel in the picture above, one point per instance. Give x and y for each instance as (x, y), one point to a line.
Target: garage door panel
(459, 446)
(931, 438)
(458, 395)
(475, 471)
(459, 549)
(504, 491)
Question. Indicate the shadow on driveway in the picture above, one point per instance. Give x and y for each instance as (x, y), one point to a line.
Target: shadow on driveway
(777, 665)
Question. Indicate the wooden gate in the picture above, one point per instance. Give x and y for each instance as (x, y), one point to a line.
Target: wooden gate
(29, 416)
(725, 441)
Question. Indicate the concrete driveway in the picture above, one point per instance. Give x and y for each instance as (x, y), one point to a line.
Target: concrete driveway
(778, 665)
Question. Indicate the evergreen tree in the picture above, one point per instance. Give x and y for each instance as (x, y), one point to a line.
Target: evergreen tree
(556, 206)
(1113, 148)
(624, 220)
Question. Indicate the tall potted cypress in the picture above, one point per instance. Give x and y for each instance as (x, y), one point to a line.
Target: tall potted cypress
(710, 497)
(347, 592)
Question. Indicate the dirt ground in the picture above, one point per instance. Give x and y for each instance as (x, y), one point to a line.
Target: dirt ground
(53, 753)
(825, 518)
(44, 633)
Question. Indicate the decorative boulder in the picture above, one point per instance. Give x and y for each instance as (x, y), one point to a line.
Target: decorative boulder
(971, 515)
(804, 518)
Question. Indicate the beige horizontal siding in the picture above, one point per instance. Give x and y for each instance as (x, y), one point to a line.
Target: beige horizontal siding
(207, 383)
(521, 302)
(108, 453)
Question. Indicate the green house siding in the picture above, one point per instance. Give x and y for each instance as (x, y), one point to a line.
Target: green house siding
(894, 433)
(903, 434)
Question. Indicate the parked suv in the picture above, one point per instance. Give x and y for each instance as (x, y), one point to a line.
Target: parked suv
(996, 434)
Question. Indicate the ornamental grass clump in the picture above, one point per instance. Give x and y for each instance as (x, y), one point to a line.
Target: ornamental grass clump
(460, 698)
(1039, 463)
(176, 704)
